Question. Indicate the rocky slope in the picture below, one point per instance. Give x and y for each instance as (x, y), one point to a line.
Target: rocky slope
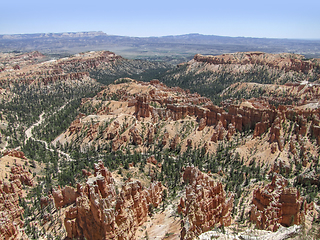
(33, 83)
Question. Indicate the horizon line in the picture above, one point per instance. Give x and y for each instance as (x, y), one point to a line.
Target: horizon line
(170, 35)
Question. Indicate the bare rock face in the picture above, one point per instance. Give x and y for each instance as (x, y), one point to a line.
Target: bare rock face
(316, 133)
(142, 108)
(276, 205)
(292, 147)
(118, 142)
(102, 214)
(274, 148)
(86, 173)
(10, 210)
(45, 200)
(205, 204)
(189, 143)
(275, 133)
(162, 105)
(165, 138)
(309, 177)
(65, 196)
(231, 131)
(76, 126)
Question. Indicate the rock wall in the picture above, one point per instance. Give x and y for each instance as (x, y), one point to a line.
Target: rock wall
(100, 213)
(205, 205)
(276, 204)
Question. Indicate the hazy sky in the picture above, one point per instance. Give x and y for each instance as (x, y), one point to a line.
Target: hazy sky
(272, 18)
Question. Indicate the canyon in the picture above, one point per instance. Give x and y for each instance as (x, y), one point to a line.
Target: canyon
(280, 129)
(117, 158)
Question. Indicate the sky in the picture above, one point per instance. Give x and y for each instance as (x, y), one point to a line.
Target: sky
(142, 18)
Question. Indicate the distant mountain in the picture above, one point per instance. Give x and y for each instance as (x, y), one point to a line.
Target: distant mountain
(53, 35)
(169, 48)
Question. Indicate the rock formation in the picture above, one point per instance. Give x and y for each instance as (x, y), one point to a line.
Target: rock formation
(25, 177)
(253, 114)
(65, 196)
(10, 210)
(175, 142)
(137, 139)
(142, 108)
(150, 135)
(45, 200)
(205, 205)
(287, 62)
(118, 142)
(160, 106)
(152, 160)
(99, 213)
(276, 204)
(15, 153)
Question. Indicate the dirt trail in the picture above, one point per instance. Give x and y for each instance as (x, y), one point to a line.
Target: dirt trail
(29, 135)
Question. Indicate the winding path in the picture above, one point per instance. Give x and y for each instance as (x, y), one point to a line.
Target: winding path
(29, 134)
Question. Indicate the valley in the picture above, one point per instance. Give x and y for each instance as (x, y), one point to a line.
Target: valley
(97, 146)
